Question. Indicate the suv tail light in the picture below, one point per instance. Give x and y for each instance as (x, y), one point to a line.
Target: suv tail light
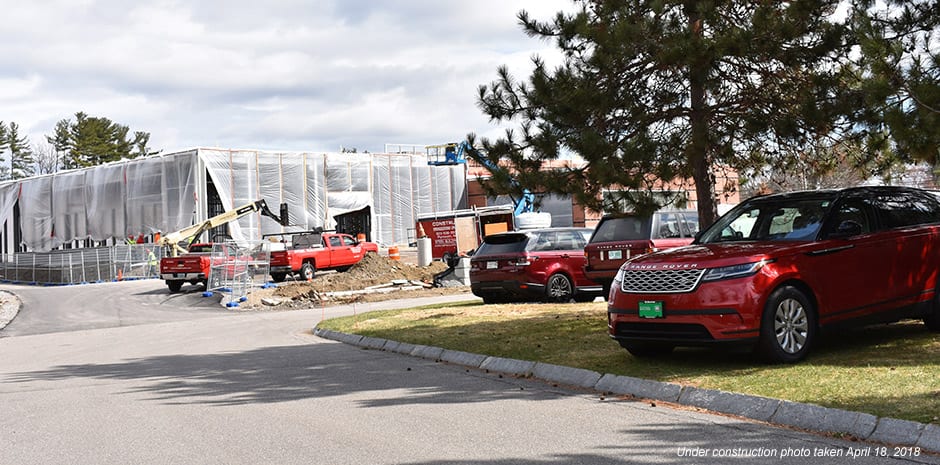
(525, 260)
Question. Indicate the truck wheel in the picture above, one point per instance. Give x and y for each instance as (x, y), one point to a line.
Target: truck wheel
(307, 271)
(174, 286)
(788, 327)
(278, 277)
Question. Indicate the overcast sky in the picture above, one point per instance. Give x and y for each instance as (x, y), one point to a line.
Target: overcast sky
(286, 75)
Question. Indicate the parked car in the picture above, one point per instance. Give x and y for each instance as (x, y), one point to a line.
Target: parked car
(776, 269)
(617, 238)
(540, 264)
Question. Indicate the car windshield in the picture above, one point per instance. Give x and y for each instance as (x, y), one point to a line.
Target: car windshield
(771, 219)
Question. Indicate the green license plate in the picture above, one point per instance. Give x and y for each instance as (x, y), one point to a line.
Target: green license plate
(651, 309)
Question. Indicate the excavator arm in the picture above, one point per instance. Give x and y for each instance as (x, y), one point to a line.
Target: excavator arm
(172, 240)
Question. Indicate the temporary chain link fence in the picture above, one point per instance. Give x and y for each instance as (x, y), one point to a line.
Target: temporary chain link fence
(82, 266)
(237, 270)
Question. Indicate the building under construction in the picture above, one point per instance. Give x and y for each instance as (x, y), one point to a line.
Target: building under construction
(378, 195)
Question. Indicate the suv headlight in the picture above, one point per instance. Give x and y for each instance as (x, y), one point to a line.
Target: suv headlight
(619, 276)
(734, 271)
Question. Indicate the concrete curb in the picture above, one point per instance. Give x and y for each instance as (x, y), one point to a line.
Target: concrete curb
(642, 388)
(780, 412)
(10, 306)
(754, 407)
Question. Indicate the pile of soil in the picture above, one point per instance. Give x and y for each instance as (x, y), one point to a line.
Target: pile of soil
(372, 270)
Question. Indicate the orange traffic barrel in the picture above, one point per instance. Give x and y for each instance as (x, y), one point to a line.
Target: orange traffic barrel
(393, 253)
(361, 237)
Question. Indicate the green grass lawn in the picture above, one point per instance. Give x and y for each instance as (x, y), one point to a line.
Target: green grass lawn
(886, 370)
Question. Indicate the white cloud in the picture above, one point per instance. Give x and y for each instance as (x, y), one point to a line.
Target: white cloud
(280, 75)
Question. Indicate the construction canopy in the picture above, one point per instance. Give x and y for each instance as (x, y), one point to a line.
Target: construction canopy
(166, 193)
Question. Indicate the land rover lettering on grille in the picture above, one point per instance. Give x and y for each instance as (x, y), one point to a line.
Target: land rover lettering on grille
(662, 266)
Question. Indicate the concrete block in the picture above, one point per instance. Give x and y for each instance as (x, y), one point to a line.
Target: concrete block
(754, 407)
(403, 348)
(566, 375)
(508, 366)
(428, 352)
(324, 333)
(894, 431)
(930, 439)
(822, 419)
(352, 339)
(864, 425)
(463, 358)
(391, 346)
(641, 388)
(372, 343)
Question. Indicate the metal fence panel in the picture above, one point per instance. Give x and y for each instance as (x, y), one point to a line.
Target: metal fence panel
(81, 266)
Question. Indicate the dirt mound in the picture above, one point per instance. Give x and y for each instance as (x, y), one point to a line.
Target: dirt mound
(372, 270)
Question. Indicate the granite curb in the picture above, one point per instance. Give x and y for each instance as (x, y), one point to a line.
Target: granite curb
(779, 412)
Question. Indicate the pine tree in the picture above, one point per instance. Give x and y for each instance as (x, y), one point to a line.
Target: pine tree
(60, 143)
(21, 155)
(4, 145)
(669, 89)
(899, 73)
(91, 141)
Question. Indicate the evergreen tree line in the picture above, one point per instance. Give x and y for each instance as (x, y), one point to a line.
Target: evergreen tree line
(79, 143)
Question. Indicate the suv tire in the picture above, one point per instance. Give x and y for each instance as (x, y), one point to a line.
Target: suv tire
(788, 326)
(559, 288)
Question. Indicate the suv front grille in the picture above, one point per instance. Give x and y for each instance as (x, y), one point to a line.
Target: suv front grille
(660, 281)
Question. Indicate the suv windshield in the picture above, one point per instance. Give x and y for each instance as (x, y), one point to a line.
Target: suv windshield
(779, 219)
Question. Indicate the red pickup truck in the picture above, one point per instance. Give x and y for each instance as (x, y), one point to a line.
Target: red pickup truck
(312, 251)
(193, 267)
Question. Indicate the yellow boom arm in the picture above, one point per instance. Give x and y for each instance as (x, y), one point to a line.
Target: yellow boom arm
(171, 240)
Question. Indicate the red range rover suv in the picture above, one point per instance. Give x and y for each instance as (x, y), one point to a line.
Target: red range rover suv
(617, 238)
(537, 264)
(776, 269)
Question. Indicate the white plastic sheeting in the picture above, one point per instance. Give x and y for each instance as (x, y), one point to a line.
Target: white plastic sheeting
(126, 198)
(36, 213)
(9, 192)
(318, 187)
(162, 194)
(105, 217)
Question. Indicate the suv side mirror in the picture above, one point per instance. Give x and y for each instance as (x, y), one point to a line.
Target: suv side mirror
(847, 228)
